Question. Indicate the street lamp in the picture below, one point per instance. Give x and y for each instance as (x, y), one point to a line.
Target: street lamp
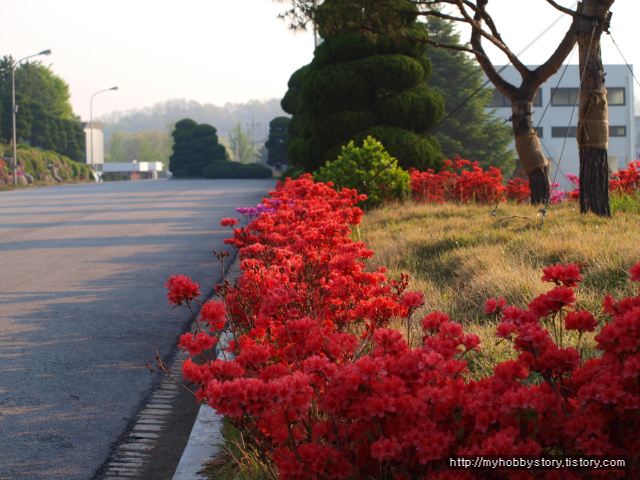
(14, 110)
(91, 117)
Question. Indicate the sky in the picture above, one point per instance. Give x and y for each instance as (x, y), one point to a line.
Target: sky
(220, 51)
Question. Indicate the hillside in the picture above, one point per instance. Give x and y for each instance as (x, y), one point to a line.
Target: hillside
(254, 116)
(41, 167)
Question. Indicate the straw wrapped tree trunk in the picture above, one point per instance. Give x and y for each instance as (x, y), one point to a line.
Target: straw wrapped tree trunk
(588, 21)
(528, 146)
(593, 124)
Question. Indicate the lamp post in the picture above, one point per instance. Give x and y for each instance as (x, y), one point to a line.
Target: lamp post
(91, 117)
(14, 110)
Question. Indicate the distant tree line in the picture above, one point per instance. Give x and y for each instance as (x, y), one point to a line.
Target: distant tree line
(144, 146)
(45, 118)
(162, 116)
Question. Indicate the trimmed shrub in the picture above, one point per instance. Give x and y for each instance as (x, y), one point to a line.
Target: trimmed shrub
(369, 169)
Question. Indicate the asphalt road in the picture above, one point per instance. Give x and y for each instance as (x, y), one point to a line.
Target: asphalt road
(82, 306)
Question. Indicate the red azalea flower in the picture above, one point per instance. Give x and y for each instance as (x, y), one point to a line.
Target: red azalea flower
(581, 320)
(635, 273)
(495, 306)
(229, 222)
(181, 289)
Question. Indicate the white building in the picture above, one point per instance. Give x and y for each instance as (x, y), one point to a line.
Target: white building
(94, 137)
(555, 114)
(131, 170)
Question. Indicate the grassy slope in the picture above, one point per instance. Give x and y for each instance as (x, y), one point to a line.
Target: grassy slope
(459, 256)
(35, 162)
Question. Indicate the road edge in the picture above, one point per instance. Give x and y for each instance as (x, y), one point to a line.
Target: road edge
(206, 435)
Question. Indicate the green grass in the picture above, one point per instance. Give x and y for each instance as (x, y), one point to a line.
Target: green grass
(629, 203)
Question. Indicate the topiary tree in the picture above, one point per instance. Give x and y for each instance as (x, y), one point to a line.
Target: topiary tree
(369, 169)
(195, 148)
(205, 150)
(361, 84)
(182, 147)
(277, 141)
(197, 153)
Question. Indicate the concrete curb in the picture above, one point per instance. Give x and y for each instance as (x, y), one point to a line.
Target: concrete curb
(203, 443)
(206, 434)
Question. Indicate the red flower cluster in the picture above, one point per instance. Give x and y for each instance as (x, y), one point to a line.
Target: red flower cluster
(458, 181)
(567, 275)
(627, 181)
(181, 289)
(327, 390)
(229, 222)
(517, 189)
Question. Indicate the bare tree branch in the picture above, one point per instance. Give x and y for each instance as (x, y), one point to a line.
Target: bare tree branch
(555, 5)
(494, 37)
(553, 64)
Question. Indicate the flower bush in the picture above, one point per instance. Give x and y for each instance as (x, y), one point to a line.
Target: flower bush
(464, 181)
(327, 390)
(459, 181)
(628, 180)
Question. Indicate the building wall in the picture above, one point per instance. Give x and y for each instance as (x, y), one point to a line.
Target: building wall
(553, 120)
(95, 153)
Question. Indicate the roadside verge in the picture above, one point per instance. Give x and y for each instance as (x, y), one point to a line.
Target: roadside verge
(206, 434)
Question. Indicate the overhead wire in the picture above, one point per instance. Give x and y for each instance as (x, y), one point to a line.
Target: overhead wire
(582, 74)
(625, 60)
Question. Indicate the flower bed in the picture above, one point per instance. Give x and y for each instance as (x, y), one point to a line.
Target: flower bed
(464, 181)
(325, 389)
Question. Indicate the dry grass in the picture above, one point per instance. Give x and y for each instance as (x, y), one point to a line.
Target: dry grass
(459, 256)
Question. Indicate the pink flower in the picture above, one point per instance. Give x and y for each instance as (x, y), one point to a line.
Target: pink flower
(505, 329)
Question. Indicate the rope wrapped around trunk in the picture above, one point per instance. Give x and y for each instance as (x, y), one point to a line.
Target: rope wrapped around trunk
(530, 152)
(593, 123)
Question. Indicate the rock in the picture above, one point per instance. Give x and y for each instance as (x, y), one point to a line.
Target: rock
(21, 180)
(55, 173)
(29, 178)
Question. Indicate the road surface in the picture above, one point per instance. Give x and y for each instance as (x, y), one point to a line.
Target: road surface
(82, 306)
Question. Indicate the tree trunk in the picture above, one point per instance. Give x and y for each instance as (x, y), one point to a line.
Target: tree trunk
(594, 182)
(529, 149)
(593, 125)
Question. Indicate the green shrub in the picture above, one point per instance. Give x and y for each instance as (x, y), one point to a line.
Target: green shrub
(356, 167)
